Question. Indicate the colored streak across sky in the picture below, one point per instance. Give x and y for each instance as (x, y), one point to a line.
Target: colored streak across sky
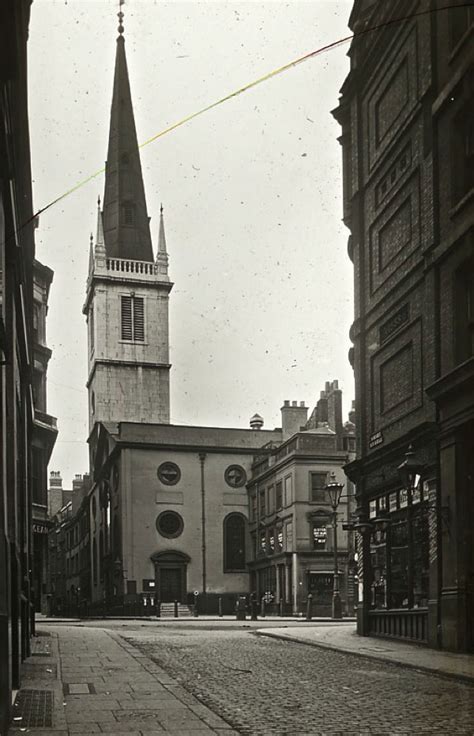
(251, 85)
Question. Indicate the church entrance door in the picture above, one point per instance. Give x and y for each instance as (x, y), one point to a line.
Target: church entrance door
(170, 575)
(170, 584)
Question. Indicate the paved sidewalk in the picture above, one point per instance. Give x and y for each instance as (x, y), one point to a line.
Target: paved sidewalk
(343, 638)
(101, 684)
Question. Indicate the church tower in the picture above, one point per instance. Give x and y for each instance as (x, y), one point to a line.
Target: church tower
(127, 289)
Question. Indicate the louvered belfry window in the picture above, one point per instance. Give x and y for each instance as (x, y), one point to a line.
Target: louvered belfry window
(133, 318)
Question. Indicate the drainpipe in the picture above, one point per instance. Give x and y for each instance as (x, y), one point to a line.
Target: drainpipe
(202, 458)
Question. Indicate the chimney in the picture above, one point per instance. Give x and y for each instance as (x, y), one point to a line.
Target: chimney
(256, 422)
(334, 404)
(55, 492)
(55, 480)
(77, 482)
(293, 418)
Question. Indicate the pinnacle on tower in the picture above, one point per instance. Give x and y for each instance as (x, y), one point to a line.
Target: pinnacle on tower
(125, 220)
(162, 255)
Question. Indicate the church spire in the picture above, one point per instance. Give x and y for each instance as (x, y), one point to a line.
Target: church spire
(162, 255)
(125, 218)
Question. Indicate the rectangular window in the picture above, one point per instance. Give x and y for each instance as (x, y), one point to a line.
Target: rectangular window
(253, 507)
(261, 499)
(463, 152)
(318, 483)
(133, 318)
(279, 494)
(464, 314)
(288, 491)
(320, 535)
(289, 537)
(270, 499)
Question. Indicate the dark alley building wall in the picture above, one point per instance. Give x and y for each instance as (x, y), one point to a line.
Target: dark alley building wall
(16, 265)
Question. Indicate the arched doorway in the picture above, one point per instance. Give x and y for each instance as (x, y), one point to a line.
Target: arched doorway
(170, 575)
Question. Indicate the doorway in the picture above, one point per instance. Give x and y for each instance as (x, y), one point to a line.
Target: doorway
(170, 575)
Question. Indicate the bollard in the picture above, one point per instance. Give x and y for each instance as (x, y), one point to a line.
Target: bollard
(158, 608)
(253, 606)
(195, 609)
(309, 607)
(176, 609)
(282, 607)
(262, 607)
(220, 607)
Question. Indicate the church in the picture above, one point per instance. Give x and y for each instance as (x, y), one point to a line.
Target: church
(166, 516)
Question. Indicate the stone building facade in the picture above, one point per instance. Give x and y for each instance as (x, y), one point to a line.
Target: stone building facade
(44, 434)
(290, 517)
(407, 139)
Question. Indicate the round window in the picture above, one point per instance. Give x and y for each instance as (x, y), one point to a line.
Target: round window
(169, 524)
(169, 473)
(235, 476)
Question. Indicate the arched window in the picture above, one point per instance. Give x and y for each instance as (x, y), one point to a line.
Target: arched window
(234, 543)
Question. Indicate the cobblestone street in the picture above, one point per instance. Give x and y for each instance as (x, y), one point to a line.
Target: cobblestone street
(266, 686)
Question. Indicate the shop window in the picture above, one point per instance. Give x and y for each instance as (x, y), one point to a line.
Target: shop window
(464, 311)
(318, 483)
(399, 565)
(132, 318)
(319, 536)
(462, 159)
(234, 543)
(279, 494)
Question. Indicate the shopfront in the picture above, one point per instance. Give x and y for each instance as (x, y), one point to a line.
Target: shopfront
(398, 539)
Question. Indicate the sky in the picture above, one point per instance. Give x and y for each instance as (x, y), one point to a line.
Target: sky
(252, 195)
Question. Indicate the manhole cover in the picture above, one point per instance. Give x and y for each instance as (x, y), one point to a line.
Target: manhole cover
(33, 709)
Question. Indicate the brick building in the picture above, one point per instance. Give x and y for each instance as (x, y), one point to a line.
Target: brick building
(408, 147)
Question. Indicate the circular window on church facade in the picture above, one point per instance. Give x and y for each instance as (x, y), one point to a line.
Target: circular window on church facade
(169, 473)
(235, 476)
(169, 524)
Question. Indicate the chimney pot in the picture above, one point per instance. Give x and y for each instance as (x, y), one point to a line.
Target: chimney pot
(286, 402)
(294, 403)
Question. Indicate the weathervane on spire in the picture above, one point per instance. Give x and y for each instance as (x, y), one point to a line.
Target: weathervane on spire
(120, 17)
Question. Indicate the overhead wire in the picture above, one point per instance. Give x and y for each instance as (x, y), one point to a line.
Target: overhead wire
(270, 75)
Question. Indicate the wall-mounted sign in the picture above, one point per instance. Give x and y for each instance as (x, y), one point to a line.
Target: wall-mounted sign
(375, 440)
(372, 509)
(403, 496)
(40, 529)
(393, 501)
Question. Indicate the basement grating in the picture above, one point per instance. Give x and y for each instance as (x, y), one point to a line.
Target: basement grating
(33, 709)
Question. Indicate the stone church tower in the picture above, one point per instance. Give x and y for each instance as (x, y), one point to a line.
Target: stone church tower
(127, 288)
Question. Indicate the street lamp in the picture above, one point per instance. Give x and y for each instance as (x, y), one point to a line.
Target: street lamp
(410, 470)
(334, 491)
